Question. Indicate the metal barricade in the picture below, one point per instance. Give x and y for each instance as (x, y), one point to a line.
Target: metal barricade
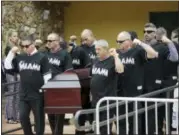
(92, 111)
(136, 101)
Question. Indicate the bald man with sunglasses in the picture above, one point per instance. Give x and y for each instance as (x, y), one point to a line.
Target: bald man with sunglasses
(60, 61)
(133, 55)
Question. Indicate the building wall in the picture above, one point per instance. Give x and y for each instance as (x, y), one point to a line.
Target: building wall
(106, 19)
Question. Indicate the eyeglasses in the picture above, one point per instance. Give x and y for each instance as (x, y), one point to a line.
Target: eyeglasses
(120, 41)
(26, 46)
(148, 31)
(50, 41)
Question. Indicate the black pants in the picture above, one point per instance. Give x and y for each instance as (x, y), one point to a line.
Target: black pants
(151, 121)
(122, 123)
(167, 83)
(129, 91)
(37, 108)
(56, 122)
(86, 104)
(161, 110)
(151, 113)
(103, 117)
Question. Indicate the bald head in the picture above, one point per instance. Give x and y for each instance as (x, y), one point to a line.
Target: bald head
(87, 32)
(87, 37)
(54, 36)
(124, 41)
(124, 35)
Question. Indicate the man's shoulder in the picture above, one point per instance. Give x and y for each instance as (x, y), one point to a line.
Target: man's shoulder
(160, 46)
(41, 55)
(79, 49)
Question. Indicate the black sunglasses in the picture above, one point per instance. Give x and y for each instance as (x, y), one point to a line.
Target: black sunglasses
(50, 41)
(148, 31)
(26, 46)
(120, 41)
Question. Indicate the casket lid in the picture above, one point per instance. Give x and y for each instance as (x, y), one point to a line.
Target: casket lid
(63, 81)
(66, 76)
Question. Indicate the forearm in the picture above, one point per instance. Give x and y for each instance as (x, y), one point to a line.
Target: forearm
(118, 64)
(151, 53)
(173, 54)
(8, 60)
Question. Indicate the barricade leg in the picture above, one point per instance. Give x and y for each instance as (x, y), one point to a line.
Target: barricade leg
(103, 117)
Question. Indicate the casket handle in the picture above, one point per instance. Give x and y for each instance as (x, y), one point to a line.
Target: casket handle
(40, 90)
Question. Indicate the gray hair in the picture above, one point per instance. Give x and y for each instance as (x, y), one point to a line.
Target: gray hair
(161, 31)
(29, 38)
(151, 25)
(176, 31)
(102, 43)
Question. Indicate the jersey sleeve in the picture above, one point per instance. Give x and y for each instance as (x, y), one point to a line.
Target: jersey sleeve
(142, 54)
(85, 58)
(45, 66)
(163, 51)
(68, 62)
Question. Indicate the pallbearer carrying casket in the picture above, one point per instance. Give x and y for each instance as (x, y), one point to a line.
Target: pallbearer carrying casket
(60, 61)
(81, 60)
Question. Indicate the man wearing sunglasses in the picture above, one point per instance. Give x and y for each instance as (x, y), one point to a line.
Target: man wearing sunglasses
(154, 69)
(149, 33)
(60, 61)
(133, 55)
(33, 68)
(167, 51)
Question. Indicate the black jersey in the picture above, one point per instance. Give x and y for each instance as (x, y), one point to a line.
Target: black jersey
(59, 61)
(31, 69)
(104, 79)
(80, 58)
(90, 50)
(153, 70)
(131, 81)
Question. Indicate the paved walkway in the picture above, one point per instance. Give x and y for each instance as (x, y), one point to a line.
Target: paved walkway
(68, 129)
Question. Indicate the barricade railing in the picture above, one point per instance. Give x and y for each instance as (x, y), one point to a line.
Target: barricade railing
(167, 90)
(136, 102)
